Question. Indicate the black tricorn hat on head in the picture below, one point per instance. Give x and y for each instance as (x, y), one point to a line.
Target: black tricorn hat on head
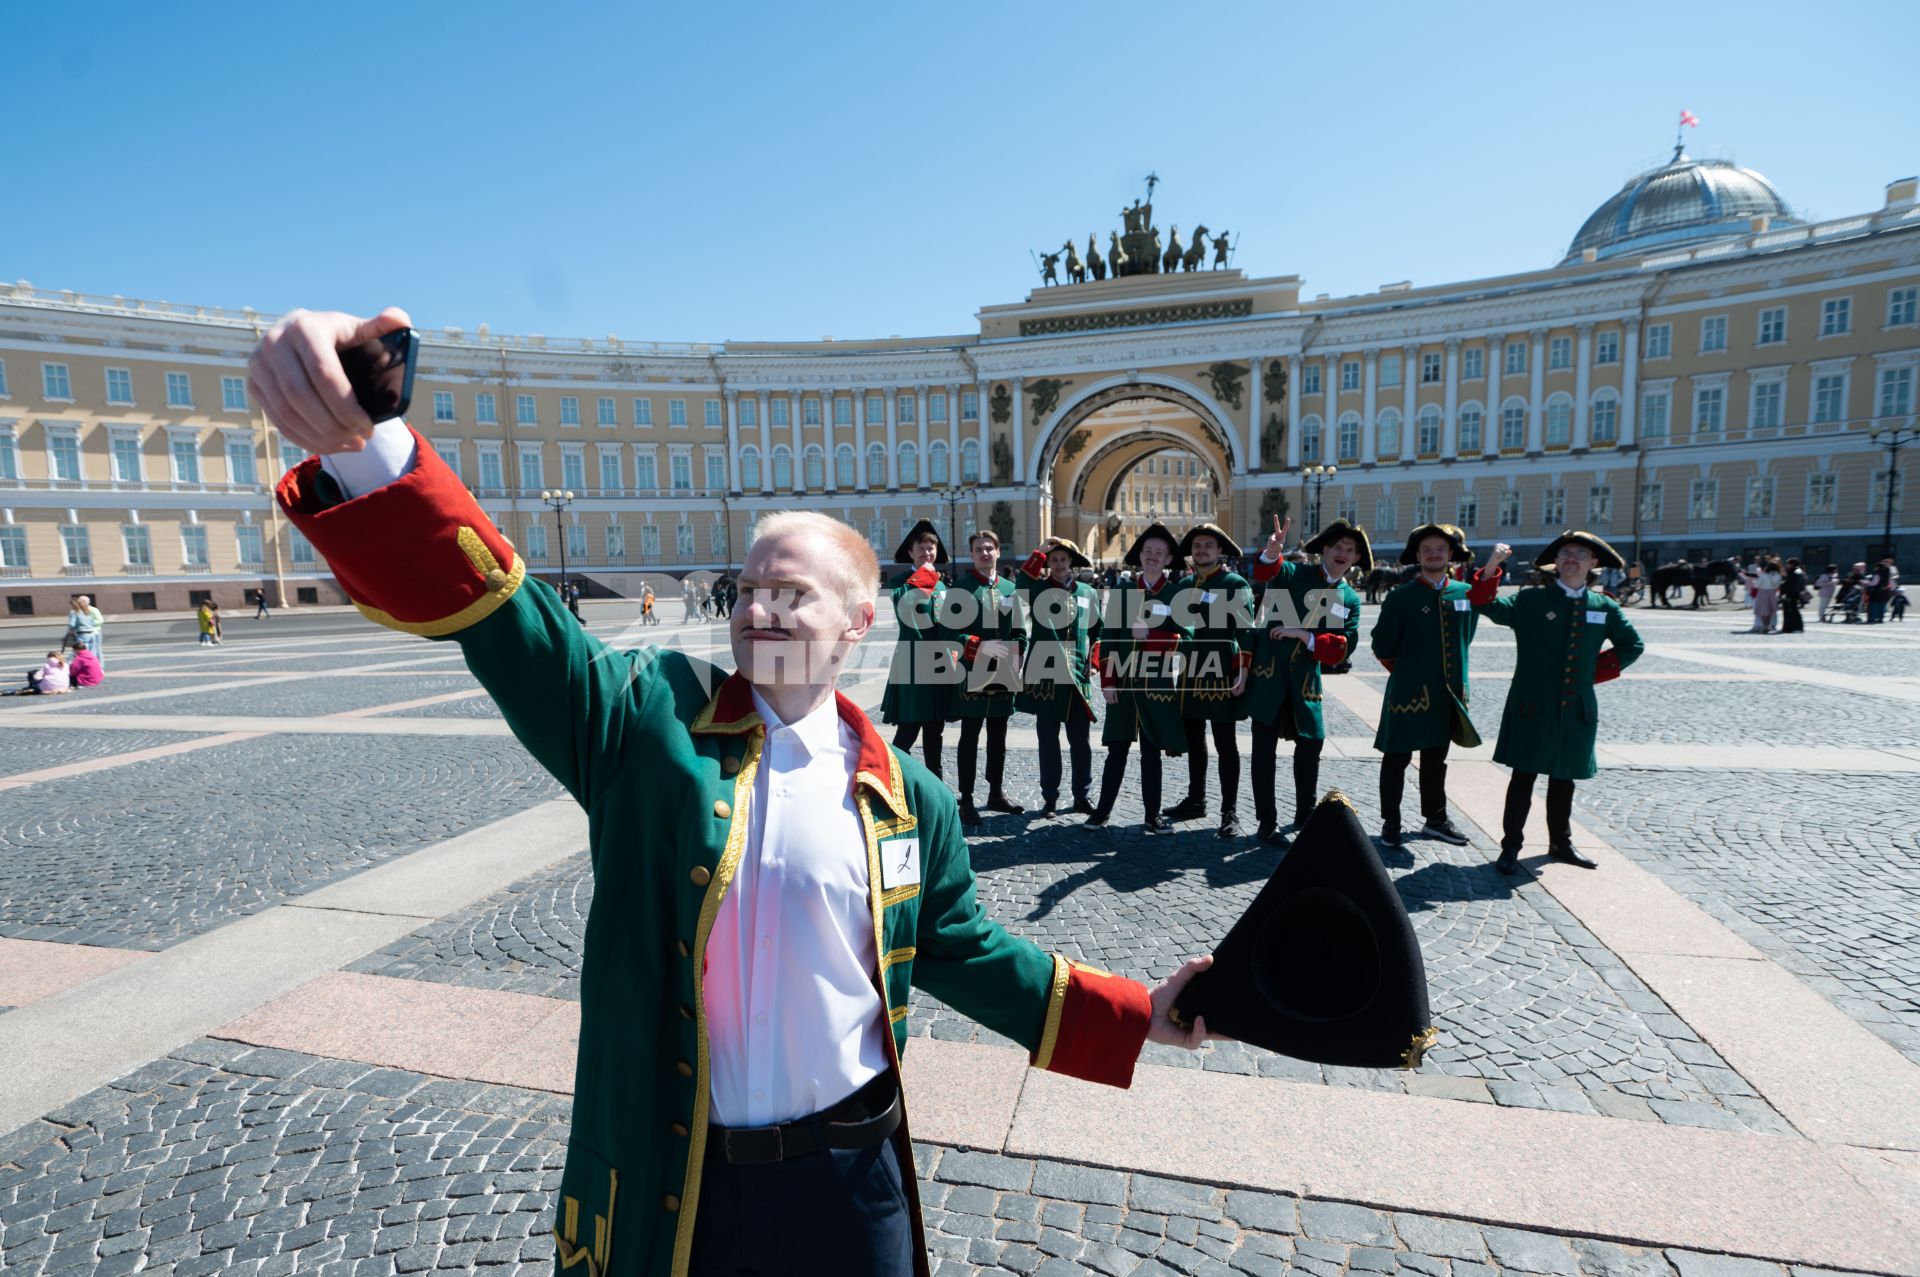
(1074, 552)
(1324, 965)
(1604, 554)
(904, 553)
(1229, 548)
(1456, 541)
(1341, 528)
(1132, 557)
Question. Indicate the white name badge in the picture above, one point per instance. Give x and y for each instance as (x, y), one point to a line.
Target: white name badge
(1159, 609)
(1462, 605)
(1206, 596)
(1083, 604)
(1596, 618)
(899, 863)
(1341, 610)
(1006, 602)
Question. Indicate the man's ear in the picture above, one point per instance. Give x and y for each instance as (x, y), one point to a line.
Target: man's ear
(859, 621)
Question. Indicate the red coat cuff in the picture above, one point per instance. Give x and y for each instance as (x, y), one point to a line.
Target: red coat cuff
(1485, 586)
(1263, 570)
(1096, 1024)
(923, 579)
(1606, 666)
(1386, 661)
(1329, 649)
(1035, 566)
(1162, 641)
(1246, 660)
(417, 555)
(970, 648)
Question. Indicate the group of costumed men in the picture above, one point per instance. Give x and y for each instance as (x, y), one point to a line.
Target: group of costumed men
(1183, 655)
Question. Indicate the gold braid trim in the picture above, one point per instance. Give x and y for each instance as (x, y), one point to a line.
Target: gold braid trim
(1422, 1042)
(1056, 1003)
(501, 586)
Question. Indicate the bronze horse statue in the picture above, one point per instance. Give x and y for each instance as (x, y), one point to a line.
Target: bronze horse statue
(1196, 255)
(1095, 263)
(1116, 256)
(1076, 271)
(1170, 260)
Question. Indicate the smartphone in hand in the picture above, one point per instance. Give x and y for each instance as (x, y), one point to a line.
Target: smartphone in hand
(381, 373)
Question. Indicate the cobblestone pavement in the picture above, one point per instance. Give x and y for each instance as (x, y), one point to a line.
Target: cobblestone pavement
(526, 939)
(224, 1159)
(1818, 870)
(1711, 712)
(143, 856)
(293, 698)
(28, 749)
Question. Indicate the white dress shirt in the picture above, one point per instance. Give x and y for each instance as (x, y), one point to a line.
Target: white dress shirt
(794, 1022)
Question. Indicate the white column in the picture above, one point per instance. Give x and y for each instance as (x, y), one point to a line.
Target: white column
(1369, 380)
(1582, 356)
(1329, 428)
(1490, 423)
(986, 437)
(799, 451)
(859, 439)
(1293, 412)
(827, 441)
(1257, 365)
(1630, 384)
(1536, 387)
(893, 440)
(1409, 442)
(766, 441)
(733, 440)
(1019, 431)
(920, 404)
(953, 434)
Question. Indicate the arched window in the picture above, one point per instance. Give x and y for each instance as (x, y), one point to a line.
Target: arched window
(783, 468)
(1513, 425)
(1389, 444)
(1312, 430)
(1349, 441)
(909, 465)
(876, 465)
(1472, 438)
(970, 461)
(843, 466)
(1559, 421)
(1429, 441)
(937, 464)
(750, 468)
(1606, 418)
(814, 467)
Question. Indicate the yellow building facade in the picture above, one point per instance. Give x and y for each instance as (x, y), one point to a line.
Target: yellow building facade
(1703, 374)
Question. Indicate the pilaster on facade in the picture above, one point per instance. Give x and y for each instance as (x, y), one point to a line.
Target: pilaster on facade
(860, 438)
(1536, 391)
(1409, 383)
(766, 441)
(1257, 367)
(1293, 412)
(1582, 358)
(1370, 359)
(1629, 381)
(925, 468)
(1019, 432)
(799, 448)
(953, 434)
(983, 389)
(1449, 412)
(829, 444)
(732, 398)
(892, 404)
(1329, 428)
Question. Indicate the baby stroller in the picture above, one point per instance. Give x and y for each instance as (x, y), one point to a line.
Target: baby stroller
(72, 642)
(1847, 602)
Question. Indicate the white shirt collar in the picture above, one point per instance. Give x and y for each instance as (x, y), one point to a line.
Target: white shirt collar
(820, 729)
(1570, 591)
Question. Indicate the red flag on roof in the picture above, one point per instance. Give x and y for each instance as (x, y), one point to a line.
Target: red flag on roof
(1689, 119)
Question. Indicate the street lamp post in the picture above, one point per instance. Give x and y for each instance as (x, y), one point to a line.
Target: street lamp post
(558, 500)
(1316, 477)
(953, 494)
(1892, 438)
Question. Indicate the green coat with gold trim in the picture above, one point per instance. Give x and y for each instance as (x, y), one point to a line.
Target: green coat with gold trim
(1422, 637)
(916, 690)
(662, 753)
(1149, 706)
(1552, 717)
(1063, 624)
(997, 612)
(1284, 688)
(1222, 603)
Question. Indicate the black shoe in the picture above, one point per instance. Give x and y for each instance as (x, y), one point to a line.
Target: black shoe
(1445, 830)
(969, 814)
(1049, 809)
(1509, 862)
(1186, 809)
(1229, 827)
(1563, 850)
(1000, 802)
(1390, 834)
(1156, 825)
(1299, 820)
(1271, 836)
(1096, 818)
(1081, 807)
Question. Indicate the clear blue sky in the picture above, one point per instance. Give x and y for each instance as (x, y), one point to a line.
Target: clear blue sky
(724, 171)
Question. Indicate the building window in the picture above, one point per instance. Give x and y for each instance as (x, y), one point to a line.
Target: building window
(233, 394)
(937, 406)
(193, 545)
(179, 390)
(491, 479)
(1389, 432)
(1896, 392)
(909, 465)
(240, 467)
(1760, 489)
(749, 467)
(1709, 409)
(1823, 494)
(1836, 316)
(55, 383)
(569, 410)
(969, 405)
(1430, 369)
(605, 413)
(76, 550)
(13, 548)
(1606, 348)
(813, 467)
(1389, 370)
(1773, 326)
(484, 411)
(610, 476)
(1312, 433)
(1600, 505)
(616, 541)
(301, 551)
(1766, 411)
(649, 541)
(537, 540)
(1656, 412)
(1423, 509)
(1350, 375)
(524, 411)
(1877, 493)
(1901, 306)
(937, 469)
(643, 412)
(1830, 397)
(1384, 514)
(1473, 363)
(676, 412)
(1349, 440)
(1516, 358)
(1652, 503)
(1659, 341)
(1713, 334)
(843, 462)
(783, 468)
(1469, 511)
(749, 413)
(186, 459)
(716, 470)
(683, 540)
(713, 417)
(680, 470)
(1559, 353)
(843, 412)
(809, 412)
(646, 471)
(1606, 419)
(573, 469)
(3, 378)
(1703, 499)
(778, 413)
(119, 386)
(876, 465)
(449, 452)
(443, 406)
(136, 543)
(1559, 422)
(1509, 515)
(577, 540)
(1429, 440)
(905, 406)
(1553, 508)
(533, 470)
(1310, 379)
(1513, 427)
(1470, 425)
(124, 455)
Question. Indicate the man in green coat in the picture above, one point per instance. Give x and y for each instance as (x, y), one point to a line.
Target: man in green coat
(1307, 619)
(921, 674)
(1139, 678)
(1421, 637)
(1213, 678)
(1063, 620)
(770, 878)
(1552, 716)
(982, 616)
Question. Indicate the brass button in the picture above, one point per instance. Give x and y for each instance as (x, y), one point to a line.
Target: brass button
(729, 765)
(685, 952)
(721, 809)
(670, 1203)
(679, 1129)
(685, 1069)
(700, 876)
(686, 1013)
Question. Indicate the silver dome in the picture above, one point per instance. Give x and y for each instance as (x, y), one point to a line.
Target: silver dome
(1683, 202)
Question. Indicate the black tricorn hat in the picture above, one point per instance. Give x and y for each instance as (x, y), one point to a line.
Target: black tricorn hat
(903, 554)
(1341, 528)
(1608, 556)
(1080, 560)
(1455, 538)
(1229, 548)
(1132, 557)
(1324, 965)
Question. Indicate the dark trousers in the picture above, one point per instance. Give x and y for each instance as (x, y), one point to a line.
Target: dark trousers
(1306, 774)
(1433, 784)
(1790, 622)
(834, 1213)
(1115, 771)
(1520, 802)
(1079, 746)
(931, 737)
(970, 754)
(1228, 747)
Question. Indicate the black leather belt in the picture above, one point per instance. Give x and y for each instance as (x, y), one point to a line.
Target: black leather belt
(862, 1120)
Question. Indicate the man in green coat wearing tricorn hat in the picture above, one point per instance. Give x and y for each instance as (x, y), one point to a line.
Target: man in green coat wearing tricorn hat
(1421, 637)
(1063, 650)
(983, 616)
(922, 673)
(1552, 716)
(1218, 603)
(1308, 620)
(1139, 659)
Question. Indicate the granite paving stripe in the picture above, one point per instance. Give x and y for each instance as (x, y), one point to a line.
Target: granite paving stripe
(47, 744)
(415, 723)
(303, 697)
(441, 700)
(66, 771)
(34, 969)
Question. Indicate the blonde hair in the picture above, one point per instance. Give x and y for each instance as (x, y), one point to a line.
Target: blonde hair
(852, 567)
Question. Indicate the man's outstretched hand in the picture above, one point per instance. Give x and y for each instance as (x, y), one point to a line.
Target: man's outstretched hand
(296, 375)
(1164, 1030)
